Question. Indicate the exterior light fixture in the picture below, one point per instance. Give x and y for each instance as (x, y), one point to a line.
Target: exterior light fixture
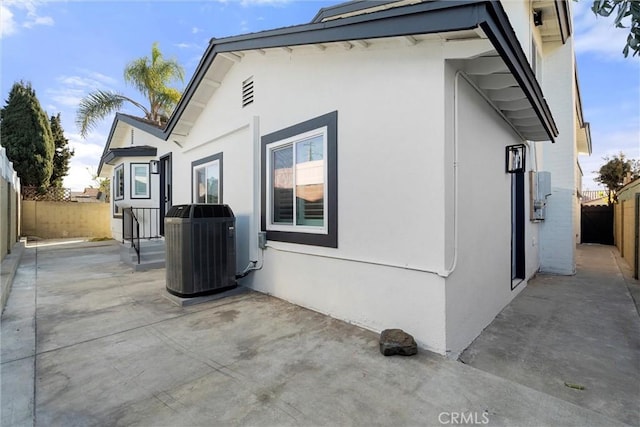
(154, 166)
(515, 158)
(537, 18)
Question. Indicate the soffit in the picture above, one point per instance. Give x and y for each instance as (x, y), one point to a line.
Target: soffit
(487, 47)
(555, 22)
(492, 77)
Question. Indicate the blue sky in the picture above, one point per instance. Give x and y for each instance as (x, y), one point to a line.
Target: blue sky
(69, 48)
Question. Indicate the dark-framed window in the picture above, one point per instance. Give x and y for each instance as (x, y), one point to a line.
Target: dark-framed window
(140, 181)
(206, 179)
(300, 182)
(117, 212)
(118, 182)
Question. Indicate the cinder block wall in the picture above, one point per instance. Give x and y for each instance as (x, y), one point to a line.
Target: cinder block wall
(51, 220)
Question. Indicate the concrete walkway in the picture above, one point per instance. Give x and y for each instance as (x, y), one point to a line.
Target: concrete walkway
(87, 342)
(581, 330)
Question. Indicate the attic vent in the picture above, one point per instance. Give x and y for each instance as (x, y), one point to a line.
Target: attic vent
(247, 92)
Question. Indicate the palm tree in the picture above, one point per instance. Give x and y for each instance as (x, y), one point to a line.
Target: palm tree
(151, 77)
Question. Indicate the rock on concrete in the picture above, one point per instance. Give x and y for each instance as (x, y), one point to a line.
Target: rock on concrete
(397, 341)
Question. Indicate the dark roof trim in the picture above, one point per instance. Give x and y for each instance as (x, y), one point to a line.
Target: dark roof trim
(438, 16)
(137, 123)
(142, 124)
(135, 151)
(496, 26)
(564, 19)
(348, 7)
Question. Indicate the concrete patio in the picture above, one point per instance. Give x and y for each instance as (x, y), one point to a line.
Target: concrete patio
(87, 342)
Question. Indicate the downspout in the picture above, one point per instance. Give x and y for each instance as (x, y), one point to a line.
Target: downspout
(255, 264)
(460, 74)
(454, 261)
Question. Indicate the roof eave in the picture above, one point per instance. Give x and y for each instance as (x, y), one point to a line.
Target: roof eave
(125, 118)
(444, 16)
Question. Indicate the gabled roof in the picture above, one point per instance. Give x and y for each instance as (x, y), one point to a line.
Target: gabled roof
(523, 103)
(137, 122)
(353, 7)
(504, 73)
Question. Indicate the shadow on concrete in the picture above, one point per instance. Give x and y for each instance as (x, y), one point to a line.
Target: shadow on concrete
(564, 333)
(87, 342)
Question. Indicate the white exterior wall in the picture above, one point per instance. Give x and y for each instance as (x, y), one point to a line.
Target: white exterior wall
(237, 146)
(140, 138)
(395, 182)
(480, 285)
(390, 179)
(558, 232)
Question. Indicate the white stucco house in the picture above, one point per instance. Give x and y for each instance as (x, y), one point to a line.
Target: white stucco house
(137, 161)
(411, 164)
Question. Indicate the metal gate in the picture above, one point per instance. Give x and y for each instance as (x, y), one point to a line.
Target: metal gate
(597, 224)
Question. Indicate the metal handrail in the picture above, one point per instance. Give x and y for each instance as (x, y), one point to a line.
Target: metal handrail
(131, 230)
(133, 219)
(135, 241)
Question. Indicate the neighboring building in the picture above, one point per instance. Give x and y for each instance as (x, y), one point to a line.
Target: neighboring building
(627, 224)
(372, 148)
(88, 195)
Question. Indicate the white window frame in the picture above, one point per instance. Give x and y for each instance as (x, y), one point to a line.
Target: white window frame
(116, 182)
(134, 193)
(312, 229)
(195, 183)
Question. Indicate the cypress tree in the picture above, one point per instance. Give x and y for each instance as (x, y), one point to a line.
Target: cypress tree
(25, 132)
(62, 153)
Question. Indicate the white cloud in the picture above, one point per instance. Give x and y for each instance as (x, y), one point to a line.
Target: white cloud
(79, 176)
(7, 24)
(196, 30)
(66, 97)
(110, 81)
(597, 34)
(38, 20)
(86, 151)
(263, 2)
(84, 163)
(72, 89)
(187, 46)
(21, 13)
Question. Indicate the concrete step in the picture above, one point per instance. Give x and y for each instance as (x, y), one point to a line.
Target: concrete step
(152, 255)
(148, 265)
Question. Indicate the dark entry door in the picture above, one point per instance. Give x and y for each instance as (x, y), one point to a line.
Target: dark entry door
(166, 195)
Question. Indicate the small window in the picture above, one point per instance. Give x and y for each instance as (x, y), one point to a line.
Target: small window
(247, 92)
(140, 181)
(300, 183)
(118, 182)
(207, 179)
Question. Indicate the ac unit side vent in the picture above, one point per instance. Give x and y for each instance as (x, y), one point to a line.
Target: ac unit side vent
(247, 92)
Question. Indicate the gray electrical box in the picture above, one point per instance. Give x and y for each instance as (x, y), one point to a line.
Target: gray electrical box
(540, 189)
(200, 249)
